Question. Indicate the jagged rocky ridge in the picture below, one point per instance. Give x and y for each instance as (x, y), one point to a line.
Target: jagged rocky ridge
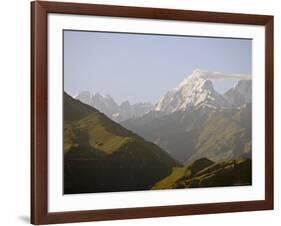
(194, 121)
(107, 105)
(196, 91)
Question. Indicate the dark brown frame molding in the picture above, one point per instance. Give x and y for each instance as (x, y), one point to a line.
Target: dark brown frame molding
(39, 109)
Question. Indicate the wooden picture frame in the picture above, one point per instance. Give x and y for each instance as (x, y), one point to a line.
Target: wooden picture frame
(39, 112)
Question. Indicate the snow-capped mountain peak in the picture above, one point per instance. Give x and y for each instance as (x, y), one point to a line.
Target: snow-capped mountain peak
(196, 75)
(193, 91)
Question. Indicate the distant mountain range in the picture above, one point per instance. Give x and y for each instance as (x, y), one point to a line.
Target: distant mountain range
(194, 121)
(107, 105)
(193, 91)
(193, 137)
(196, 91)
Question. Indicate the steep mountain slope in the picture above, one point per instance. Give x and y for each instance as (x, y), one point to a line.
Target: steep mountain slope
(175, 132)
(193, 91)
(108, 106)
(218, 134)
(205, 173)
(226, 135)
(102, 156)
(240, 94)
(74, 109)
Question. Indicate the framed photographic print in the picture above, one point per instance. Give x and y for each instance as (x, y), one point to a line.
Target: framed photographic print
(148, 112)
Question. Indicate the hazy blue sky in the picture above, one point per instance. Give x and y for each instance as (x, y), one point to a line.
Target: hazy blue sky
(139, 68)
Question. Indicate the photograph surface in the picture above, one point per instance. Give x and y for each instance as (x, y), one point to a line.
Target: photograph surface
(149, 112)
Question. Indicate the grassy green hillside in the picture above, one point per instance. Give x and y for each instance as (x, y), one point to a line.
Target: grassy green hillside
(102, 156)
(205, 173)
(225, 135)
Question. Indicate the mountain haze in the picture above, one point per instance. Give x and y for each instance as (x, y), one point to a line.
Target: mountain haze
(196, 133)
